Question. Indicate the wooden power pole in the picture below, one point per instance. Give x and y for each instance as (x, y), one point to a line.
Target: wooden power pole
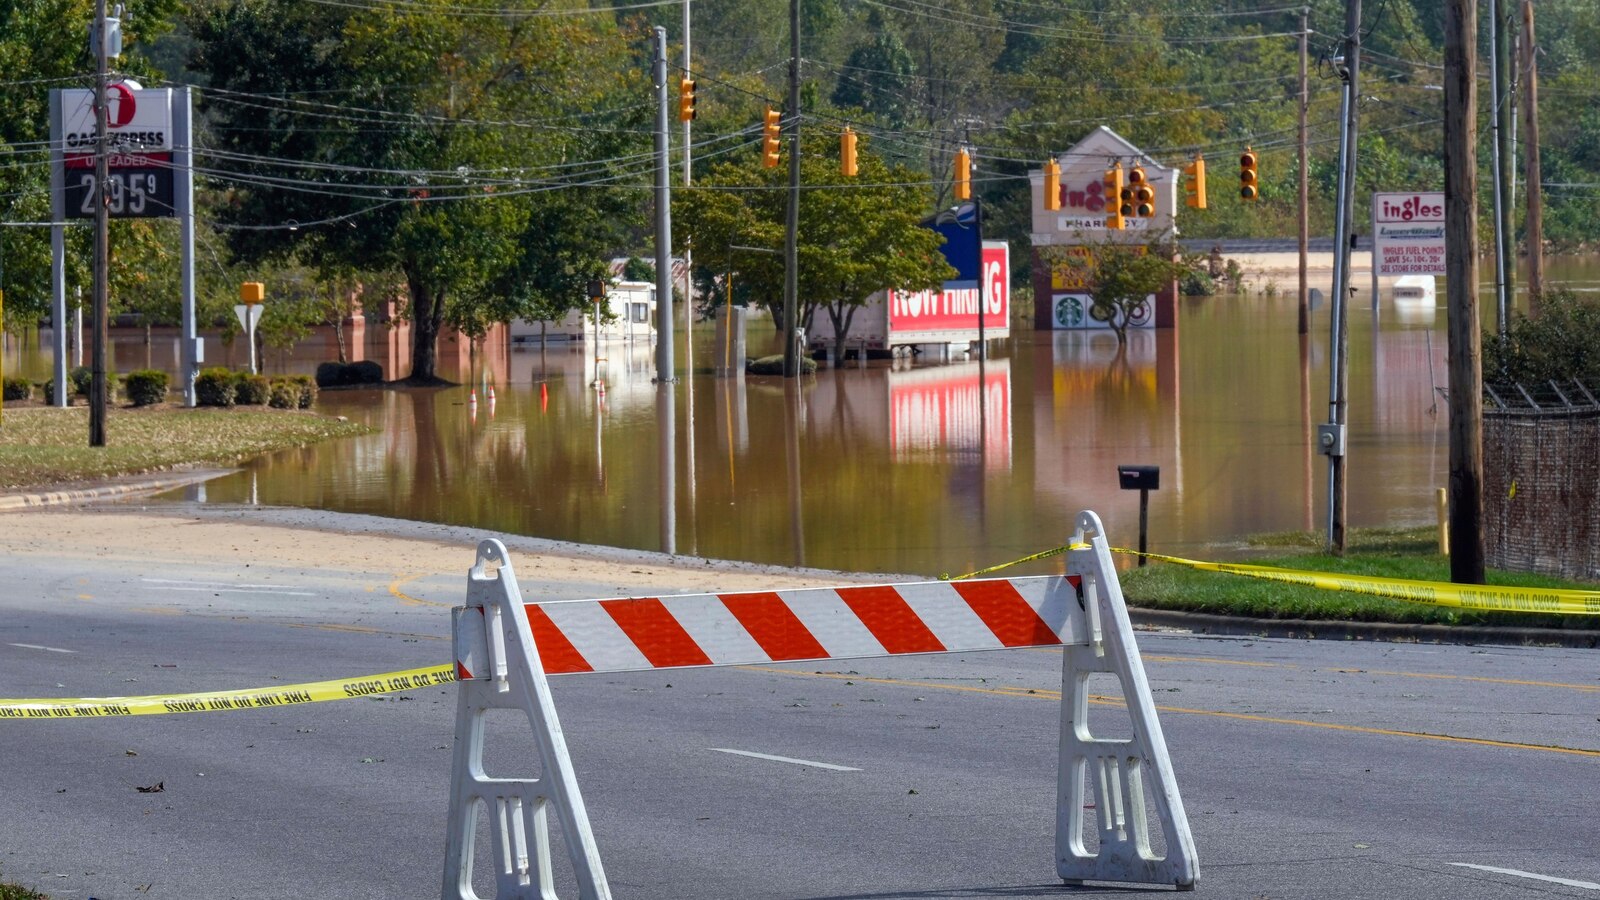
(1461, 274)
(1305, 186)
(1530, 111)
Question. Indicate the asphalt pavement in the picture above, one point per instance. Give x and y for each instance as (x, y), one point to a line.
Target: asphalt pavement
(1310, 769)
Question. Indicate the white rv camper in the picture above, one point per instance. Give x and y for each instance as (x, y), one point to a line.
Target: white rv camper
(628, 313)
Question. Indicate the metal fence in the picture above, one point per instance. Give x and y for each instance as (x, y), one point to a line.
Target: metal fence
(1541, 449)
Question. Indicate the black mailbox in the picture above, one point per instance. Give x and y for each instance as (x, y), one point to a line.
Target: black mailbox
(1139, 478)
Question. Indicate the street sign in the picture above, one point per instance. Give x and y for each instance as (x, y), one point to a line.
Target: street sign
(139, 146)
(249, 314)
(1408, 234)
(143, 192)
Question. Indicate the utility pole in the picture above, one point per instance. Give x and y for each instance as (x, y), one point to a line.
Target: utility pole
(102, 233)
(1500, 125)
(688, 296)
(791, 240)
(1461, 276)
(1333, 435)
(688, 253)
(1305, 185)
(1530, 111)
(664, 366)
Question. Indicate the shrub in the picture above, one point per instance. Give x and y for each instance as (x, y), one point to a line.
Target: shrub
(307, 388)
(80, 378)
(1556, 346)
(284, 394)
(18, 388)
(251, 390)
(333, 374)
(215, 387)
(50, 393)
(1197, 283)
(146, 387)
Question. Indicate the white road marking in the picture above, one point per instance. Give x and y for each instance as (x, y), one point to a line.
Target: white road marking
(223, 590)
(224, 587)
(43, 647)
(785, 759)
(1534, 875)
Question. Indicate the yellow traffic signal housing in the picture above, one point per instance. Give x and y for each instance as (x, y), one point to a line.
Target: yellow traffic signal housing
(963, 174)
(1052, 185)
(1142, 197)
(771, 143)
(847, 153)
(686, 100)
(1114, 191)
(1194, 185)
(1249, 179)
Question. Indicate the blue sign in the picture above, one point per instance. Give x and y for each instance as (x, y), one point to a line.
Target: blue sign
(963, 243)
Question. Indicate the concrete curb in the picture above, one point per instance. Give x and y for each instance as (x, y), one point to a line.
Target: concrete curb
(102, 492)
(1306, 629)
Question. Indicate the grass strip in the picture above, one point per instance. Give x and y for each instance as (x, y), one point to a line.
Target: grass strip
(50, 446)
(1381, 552)
(10, 891)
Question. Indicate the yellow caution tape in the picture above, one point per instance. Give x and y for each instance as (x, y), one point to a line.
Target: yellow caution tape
(1559, 601)
(1046, 554)
(220, 701)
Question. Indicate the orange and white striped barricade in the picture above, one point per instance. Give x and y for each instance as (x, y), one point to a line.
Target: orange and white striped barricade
(505, 649)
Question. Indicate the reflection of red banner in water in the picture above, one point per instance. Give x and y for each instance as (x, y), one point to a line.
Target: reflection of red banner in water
(939, 413)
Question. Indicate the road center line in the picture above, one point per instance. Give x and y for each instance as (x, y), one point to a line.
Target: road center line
(43, 647)
(191, 581)
(402, 580)
(1534, 875)
(1054, 694)
(784, 759)
(223, 590)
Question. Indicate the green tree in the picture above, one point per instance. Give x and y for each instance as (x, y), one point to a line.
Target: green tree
(436, 152)
(1122, 277)
(44, 46)
(857, 235)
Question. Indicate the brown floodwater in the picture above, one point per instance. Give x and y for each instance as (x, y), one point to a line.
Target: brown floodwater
(895, 468)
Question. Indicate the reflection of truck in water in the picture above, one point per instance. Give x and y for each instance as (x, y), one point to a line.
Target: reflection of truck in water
(958, 413)
(628, 314)
(895, 322)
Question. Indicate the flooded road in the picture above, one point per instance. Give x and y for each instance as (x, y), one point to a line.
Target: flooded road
(893, 468)
(924, 469)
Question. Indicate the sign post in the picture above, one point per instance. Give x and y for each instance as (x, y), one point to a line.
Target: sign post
(1407, 235)
(150, 174)
(251, 295)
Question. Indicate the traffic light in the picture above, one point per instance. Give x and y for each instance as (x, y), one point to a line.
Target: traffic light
(1249, 180)
(1052, 185)
(847, 153)
(1114, 191)
(1142, 195)
(771, 144)
(963, 174)
(1194, 185)
(686, 100)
